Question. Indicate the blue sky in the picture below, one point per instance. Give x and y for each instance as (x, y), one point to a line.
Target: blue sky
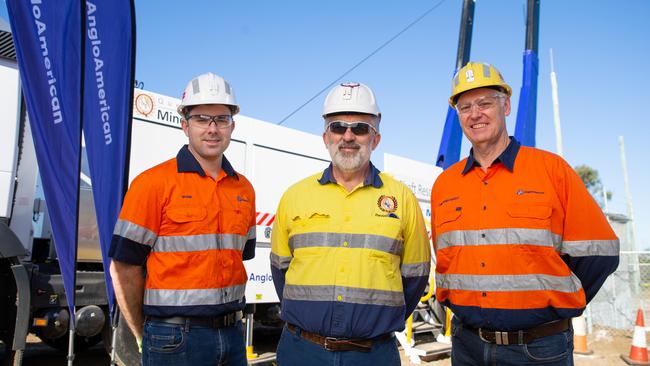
(278, 54)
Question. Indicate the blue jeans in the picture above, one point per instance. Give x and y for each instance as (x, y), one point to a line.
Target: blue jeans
(294, 350)
(172, 344)
(467, 349)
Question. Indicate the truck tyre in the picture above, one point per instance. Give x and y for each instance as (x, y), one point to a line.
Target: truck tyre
(7, 309)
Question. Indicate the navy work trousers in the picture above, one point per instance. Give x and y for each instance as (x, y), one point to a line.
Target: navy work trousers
(184, 345)
(468, 349)
(294, 350)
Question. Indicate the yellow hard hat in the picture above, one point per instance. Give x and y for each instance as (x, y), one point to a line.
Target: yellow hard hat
(476, 75)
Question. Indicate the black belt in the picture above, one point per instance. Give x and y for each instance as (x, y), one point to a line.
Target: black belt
(521, 336)
(222, 321)
(339, 344)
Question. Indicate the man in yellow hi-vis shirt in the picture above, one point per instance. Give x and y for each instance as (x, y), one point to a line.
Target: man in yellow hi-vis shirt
(350, 253)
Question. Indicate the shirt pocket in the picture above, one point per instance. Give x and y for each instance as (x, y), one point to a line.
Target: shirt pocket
(385, 264)
(448, 215)
(534, 215)
(186, 214)
(312, 221)
(387, 227)
(237, 219)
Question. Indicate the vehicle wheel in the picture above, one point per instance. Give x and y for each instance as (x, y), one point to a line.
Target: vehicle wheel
(8, 359)
(7, 310)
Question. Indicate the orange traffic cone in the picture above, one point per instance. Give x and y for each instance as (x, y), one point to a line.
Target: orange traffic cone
(580, 336)
(639, 350)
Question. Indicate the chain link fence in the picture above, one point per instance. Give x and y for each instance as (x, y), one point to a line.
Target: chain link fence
(613, 310)
(615, 306)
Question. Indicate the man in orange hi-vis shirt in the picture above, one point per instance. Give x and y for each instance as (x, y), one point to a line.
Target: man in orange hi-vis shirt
(190, 221)
(521, 245)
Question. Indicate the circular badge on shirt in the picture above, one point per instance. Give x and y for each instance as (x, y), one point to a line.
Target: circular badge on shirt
(387, 203)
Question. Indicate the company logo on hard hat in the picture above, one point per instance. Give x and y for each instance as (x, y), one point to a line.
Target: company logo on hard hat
(469, 75)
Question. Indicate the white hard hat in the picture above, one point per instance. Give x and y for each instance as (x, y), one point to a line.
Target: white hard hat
(351, 97)
(208, 88)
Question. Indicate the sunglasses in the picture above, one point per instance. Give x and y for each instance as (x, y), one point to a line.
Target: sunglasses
(358, 128)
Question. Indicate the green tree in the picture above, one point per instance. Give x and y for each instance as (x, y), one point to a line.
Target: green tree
(591, 179)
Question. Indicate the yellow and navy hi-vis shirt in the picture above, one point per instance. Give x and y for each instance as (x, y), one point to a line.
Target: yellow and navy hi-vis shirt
(349, 264)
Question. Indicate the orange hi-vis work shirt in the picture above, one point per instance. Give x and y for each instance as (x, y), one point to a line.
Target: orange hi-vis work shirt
(519, 245)
(193, 232)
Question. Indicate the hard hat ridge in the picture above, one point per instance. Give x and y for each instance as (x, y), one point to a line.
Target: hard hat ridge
(208, 88)
(351, 97)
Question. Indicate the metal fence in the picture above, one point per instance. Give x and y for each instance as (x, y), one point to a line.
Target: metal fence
(614, 308)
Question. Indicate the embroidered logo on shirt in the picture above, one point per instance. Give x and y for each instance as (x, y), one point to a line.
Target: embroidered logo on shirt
(186, 196)
(521, 192)
(387, 203)
(241, 199)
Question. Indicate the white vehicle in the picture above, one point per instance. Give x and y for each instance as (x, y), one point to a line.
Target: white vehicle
(272, 157)
(32, 298)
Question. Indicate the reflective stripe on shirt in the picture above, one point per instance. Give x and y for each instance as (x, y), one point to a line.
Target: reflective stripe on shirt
(190, 243)
(585, 248)
(415, 269)
(367, 241)
(346, 294)
(280, 262)
(134, 232)
(530, 282)
(505, 236)
(213, 296)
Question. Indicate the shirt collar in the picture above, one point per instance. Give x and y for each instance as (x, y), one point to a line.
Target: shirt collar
(187, 163)
(507, 157)
(372, 178)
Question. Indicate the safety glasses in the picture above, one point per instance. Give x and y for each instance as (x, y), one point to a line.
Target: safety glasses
(483, 104)
(358, 128)
(204, 120)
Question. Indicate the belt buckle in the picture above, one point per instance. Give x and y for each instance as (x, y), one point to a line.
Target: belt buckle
(327, 344)
(480, 335)
(500, 338)
(229, 320)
